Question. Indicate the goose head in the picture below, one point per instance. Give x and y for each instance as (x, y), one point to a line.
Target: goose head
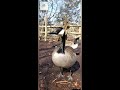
(59, 31)
(75, 43)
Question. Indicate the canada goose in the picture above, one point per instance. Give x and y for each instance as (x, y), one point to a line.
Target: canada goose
(64, 56)
(75, 43)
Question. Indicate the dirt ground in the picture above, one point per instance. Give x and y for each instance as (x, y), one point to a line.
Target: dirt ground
(48, 72)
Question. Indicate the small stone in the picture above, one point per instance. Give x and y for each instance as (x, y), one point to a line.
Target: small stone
(40, 72)
(42, 85)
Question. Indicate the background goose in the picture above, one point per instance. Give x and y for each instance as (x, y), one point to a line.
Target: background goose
(63, 56)
(75, 43)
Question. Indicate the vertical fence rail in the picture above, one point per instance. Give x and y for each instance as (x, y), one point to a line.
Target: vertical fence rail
(45, 27)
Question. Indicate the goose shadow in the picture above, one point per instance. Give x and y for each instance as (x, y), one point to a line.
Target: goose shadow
(74, 68)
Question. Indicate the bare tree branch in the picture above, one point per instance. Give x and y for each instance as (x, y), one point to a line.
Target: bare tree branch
(54, 12)
(52, 8)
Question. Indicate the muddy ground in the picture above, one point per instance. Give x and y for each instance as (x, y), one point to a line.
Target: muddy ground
(48, 71)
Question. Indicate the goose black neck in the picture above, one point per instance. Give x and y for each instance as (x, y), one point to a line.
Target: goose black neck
(63, 43)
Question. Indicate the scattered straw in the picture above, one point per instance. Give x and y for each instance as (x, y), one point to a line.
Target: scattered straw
(63, 82)
(54, 80)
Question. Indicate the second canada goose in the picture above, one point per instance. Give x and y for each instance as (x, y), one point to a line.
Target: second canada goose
(75, 43)
(64, 56)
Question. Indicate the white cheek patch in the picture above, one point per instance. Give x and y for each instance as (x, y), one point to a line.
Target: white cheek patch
(61, 32)
(74, 46)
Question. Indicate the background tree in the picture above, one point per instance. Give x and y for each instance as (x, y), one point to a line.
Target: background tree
(59, 8)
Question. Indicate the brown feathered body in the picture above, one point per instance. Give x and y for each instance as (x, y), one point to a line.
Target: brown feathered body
(64, 60)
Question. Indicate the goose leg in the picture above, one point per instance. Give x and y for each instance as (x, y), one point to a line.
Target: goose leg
(70, 76)
(61, 73)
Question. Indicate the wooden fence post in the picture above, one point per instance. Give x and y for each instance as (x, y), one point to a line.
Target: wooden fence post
(45, 27)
